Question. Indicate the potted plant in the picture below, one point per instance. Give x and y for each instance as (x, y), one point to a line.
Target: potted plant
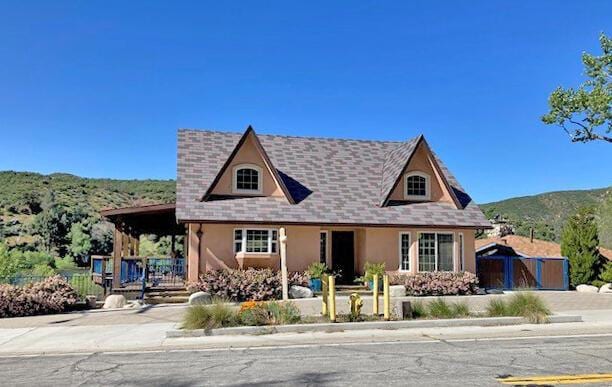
(316, 271)
(373, 269)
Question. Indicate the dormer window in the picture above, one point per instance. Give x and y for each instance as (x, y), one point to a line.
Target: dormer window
(247, 179)
(417, 186)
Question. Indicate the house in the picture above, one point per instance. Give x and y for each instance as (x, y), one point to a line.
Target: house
(343, 202)
(520, 246)
(339, 201)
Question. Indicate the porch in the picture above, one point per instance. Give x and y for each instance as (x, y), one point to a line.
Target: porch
(126, 269)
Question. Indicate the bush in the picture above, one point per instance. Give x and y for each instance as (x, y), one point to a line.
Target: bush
(53, 295)
(372, 269)
(496, 308)
(244, 285)
(439, 308)
(418, 309)
(216, 315)
(606, 273)
(527, 305)
(270, 313)
(437, 283)
(316, 270)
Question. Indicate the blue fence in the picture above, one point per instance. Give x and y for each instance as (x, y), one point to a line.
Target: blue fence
(506, 272)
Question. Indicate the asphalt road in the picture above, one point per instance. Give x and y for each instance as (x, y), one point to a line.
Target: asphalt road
(431, 363)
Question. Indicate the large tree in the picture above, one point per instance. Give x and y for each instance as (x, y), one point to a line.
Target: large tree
(579, 243)
(585, 113)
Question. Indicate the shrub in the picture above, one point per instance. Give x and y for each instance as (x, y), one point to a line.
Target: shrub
(316, 270)
(53, 295)
(216, 315)
(460, 309)
(372, 269)
(528, 305)
(606, 273)
(418, 309)
(243, 285)
(437, 283)
(439, 308)
(270, 313)
(496, 308)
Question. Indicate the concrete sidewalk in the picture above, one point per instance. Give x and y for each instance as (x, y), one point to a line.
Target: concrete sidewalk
(151, 336)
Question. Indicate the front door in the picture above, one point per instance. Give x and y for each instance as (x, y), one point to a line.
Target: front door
(343, 255)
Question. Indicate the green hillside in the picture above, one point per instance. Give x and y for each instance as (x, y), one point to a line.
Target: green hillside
(23, 195)
(547, 212)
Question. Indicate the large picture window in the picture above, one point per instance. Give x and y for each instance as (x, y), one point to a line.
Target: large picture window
(404, 251)
(247, 179)
(436, 252)
(263, 241)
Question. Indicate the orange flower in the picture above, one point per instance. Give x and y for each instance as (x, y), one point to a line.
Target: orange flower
(248, 305)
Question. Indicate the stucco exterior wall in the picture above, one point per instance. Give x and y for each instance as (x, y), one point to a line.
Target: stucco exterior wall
(373, 244)
(420, 162)
(247, 154)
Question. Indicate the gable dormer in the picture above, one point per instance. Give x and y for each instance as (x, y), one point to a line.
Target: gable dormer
(416, 176)
(247, 172)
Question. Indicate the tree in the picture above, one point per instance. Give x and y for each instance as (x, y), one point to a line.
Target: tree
(579, 243)
(585, 113)
(80, 242)
(49, 224)
(605, 221)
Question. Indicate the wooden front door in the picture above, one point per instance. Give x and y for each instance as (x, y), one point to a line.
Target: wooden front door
(343, 255)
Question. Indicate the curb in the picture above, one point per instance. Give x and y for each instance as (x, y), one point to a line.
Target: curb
(340, 327)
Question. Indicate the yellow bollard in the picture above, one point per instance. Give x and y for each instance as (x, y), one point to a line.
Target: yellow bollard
(386, 297)
(332, 299)
(325, 295)
(375, 296)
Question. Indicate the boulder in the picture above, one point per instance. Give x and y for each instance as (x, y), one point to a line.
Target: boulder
(90, 301)
(300, 292)
(606, 288)
(114, 301)
(481, 291)
(397, 291)
(200, 298)
(587, 289)
(495, 291)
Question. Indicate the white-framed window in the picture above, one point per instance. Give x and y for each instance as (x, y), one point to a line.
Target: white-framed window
(256, 240)
(247, 179)
(461, 254)
(323, 247)
(404, 251)
(436, 251)
(417, 186)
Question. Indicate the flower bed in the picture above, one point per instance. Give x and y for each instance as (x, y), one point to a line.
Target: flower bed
(249, 284)
(53, 295)
(437, 283)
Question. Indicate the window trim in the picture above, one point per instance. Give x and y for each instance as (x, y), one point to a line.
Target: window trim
(427, 178)
(409, 269)
(255, 167)
(244, 240)
(327, 255)
(461, 247)
(443, 232)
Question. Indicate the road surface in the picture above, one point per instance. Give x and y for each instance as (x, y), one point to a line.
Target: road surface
(425, 363)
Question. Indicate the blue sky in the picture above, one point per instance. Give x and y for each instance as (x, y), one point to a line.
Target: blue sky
(99, 88)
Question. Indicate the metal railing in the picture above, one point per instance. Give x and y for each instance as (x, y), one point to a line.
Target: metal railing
(81, 282)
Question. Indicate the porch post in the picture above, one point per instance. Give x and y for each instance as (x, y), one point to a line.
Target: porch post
(117, 253)
(194, 235)
(283, 254)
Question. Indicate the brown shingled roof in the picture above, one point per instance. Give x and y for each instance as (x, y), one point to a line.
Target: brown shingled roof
(333, 181)
(537, 248)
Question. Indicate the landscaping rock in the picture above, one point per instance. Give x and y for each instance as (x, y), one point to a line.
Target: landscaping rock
(495, 291)
(397, 291)
(90, 301)
(114, 301)
(587, 289)
(200, 298)
(606, 288)
(481, 291)
(137, 304)
(300, 292)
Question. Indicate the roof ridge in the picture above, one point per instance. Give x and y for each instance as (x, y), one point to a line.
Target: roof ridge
(398, 142)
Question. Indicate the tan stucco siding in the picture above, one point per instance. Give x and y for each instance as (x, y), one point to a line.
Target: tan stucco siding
(421, 162)
(373, 244)
(247, 154)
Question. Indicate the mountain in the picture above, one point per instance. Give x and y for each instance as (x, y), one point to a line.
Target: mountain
(22, 195)
(547, 212)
